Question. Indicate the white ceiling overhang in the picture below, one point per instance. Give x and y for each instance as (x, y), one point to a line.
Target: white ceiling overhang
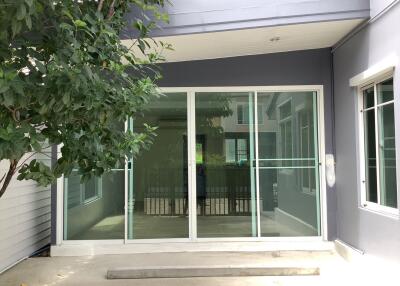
(256, 41)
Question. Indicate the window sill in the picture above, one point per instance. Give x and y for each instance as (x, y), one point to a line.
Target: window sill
(381, 210)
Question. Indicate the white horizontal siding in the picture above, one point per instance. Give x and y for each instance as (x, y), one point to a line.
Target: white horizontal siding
(25, 220)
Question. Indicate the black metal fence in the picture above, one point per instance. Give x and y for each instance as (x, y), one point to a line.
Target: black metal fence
(222, 191)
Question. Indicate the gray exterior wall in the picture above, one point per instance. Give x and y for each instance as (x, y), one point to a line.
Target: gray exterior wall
(311, 67)
(373, 233)
(197, 16)
(25, 215)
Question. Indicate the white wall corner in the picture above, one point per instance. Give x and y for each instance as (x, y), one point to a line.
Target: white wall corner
(384, 66)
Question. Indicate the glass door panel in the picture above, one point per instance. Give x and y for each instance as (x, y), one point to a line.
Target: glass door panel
(225, 177)
(95, 209)
(288, 164)
(158, 177)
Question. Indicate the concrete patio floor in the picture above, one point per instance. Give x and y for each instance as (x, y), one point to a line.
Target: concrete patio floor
(91, 270)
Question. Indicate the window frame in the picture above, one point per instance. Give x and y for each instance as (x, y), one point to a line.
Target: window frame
(305, 190)
(243, 105)
(285, 120)
(98, 182)
(364, 203)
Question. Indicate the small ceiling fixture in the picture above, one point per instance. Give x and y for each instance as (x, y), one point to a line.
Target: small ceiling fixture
(274, 39)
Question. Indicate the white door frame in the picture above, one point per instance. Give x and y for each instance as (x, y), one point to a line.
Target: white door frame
(192, 173)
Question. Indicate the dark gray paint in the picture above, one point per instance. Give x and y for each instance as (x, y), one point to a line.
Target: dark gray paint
(310, 67)
(198, 16)
(374, 233)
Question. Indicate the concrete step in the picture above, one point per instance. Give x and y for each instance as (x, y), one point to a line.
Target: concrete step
(207, 271)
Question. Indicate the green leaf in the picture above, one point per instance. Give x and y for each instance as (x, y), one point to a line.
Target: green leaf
(4, 87)
(29, 2)
(36, 146)
(40, 67)
(21, 12)
(17, 87)
(28, 21)
(4, 135)
(66, 99)
(8, 99)
(80, 23)
(15, 27)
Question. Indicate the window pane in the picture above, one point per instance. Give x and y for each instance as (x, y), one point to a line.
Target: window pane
(94, 210)
(368, 97)
(385, 91)
(242, 150)
(230, 149)
(370, 156)
(387, 156)
(285, 110)
(243, 113)
(90, 189)
(158, 178)
(225, 188)
(288, 165)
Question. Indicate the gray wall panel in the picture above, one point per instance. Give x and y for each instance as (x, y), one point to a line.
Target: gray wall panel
(197, 16)
(360, 228)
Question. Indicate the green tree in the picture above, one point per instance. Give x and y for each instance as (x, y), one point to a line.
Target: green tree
(66, 79)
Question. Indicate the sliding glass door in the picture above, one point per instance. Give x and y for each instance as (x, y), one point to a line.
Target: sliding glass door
(223, 164)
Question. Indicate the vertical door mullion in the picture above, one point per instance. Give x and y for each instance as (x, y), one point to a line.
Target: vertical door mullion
(377, 157)
(253, 197)
(126, 192)
(317, 166)
(191, 131)
(257, 165)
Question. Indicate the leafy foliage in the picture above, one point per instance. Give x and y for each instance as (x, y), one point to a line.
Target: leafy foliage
(67, 79)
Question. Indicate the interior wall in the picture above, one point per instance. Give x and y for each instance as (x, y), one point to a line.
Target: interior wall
(309, 67)
(363, 229)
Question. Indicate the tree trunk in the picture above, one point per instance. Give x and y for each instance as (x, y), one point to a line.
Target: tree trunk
(7, 179)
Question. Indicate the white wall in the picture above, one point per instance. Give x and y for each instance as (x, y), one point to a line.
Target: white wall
(378, 6)
(24, 220)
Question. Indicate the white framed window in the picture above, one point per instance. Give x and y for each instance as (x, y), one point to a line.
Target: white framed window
(377, 146)
(285, 138)
(91, 190)
(236, 150)
(242, 114)
(306, 149)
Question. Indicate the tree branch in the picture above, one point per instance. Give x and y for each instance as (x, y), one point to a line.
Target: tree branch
(100, 6)
(27, 158)
(111, 10)
(8, 176)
